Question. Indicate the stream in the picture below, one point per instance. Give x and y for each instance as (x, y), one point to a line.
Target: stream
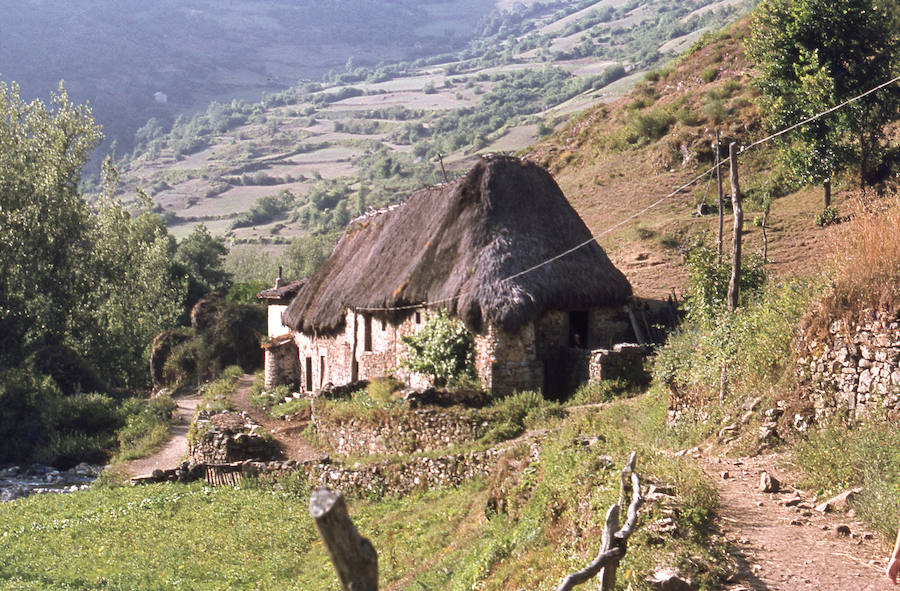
(17, 481)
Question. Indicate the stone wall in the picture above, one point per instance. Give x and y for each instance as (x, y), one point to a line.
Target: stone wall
(384, 478)
(625, 360)
(282, 365)
(856, 367)
(225, 436)
(506, 361)
(421, 430)
(344, 356)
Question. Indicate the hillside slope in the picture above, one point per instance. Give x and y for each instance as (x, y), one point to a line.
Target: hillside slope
(618, 164)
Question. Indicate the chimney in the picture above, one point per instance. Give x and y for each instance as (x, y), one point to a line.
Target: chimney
(279, 281)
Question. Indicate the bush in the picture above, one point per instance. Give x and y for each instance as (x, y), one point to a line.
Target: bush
(443, 349)
(828, 217)
(709, 74)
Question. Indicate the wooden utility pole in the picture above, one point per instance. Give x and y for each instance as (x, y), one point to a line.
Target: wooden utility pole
(827, 186)
(734, 284)
(721, 199)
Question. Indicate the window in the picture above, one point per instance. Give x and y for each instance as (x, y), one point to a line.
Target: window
(367, 332)
(418, 317)
(383, 325)
(578, 329)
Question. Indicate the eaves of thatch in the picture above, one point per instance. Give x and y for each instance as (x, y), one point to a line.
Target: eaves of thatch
(456, 246)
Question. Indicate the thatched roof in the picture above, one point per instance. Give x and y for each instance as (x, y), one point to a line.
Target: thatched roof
(455, 245)
(284, 292)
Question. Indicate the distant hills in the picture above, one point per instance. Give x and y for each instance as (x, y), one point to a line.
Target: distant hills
(305, 160)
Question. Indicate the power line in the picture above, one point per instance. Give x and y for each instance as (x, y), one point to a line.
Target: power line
(642, 211)
(822, 114)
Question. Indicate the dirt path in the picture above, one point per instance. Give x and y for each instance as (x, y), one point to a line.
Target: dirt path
(780, 544)
(288, 432)
(173, 452)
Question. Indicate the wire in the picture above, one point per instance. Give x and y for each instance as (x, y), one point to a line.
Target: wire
(822, 114)
(642, 211)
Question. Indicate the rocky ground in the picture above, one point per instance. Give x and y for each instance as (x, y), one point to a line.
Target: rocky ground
(786, 539)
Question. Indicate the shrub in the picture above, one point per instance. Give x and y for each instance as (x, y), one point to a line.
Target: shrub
(443, 349)
(709, 74)
(828, 217)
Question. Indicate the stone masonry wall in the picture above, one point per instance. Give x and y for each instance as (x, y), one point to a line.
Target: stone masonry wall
(282, 365)
(622, 361)
(507, 361)
(855, 368)
(421, 430)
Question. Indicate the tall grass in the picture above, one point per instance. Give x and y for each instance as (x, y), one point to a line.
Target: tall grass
(866, 262)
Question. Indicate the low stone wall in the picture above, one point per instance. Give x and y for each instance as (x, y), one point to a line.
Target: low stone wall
(856, 367)
(227, 436)
(384, 478)
(624, 360)
(422, 430)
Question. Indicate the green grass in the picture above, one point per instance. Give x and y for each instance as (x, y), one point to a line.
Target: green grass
(173, 536)
(836, 457)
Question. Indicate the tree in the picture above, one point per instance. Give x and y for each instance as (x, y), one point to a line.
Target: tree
(203, 258)
(816, 54)
(44, 221)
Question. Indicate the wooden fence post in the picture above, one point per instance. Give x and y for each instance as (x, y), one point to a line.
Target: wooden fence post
(734, 284)
(721, 198)
(614, 542)
(352, 555)
(827, 186)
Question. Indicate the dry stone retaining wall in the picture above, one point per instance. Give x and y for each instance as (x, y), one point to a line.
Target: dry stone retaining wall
(856, 367)
(421, 430)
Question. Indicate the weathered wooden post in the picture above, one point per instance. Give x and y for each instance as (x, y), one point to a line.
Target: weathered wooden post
(734, 284)
(614, 542)
(721, 198)
(827, 186)
(353, 556)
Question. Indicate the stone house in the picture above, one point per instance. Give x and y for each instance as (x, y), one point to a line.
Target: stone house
(500, 248)
(281, 354)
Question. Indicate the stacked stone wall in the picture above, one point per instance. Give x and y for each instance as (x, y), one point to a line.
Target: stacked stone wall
(421, 430)
(854, 368)
(384, 478)
(625, 360)
(222, 437)
(282, 364)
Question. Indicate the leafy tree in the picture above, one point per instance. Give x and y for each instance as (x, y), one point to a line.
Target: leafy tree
(443, 349)
(203, 257)
(45, 223)
(815, 54)
(306, 254)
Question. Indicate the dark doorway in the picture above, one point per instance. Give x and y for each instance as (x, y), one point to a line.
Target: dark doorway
(578, 329)
(367, 333)
(308, 372)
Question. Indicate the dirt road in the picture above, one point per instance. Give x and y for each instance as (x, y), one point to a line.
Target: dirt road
(173, 452)
(781, 543)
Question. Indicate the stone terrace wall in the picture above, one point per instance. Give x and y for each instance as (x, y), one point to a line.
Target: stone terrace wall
(382, 478)
(855, 368)
(421, 430)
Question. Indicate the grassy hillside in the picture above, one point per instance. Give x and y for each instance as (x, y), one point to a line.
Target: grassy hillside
(618, 159)
(368, 136)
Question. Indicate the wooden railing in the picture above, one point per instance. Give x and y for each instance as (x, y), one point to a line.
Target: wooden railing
(356, 562)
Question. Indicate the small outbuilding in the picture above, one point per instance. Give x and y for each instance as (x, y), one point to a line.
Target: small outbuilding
(282, 361)
(500, 248)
